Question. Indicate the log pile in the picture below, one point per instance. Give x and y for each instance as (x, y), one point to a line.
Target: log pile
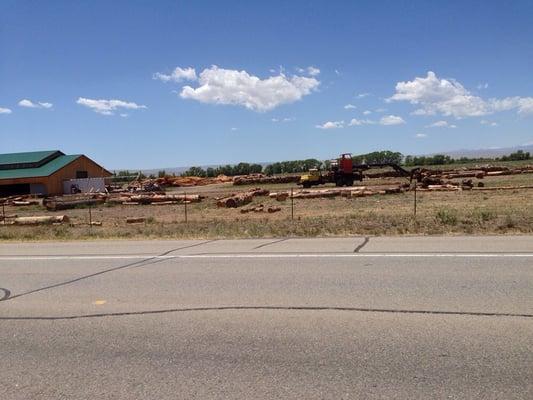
(154, 199)
(240, 199)
(56, 205)
(19, 201)
(254, 179)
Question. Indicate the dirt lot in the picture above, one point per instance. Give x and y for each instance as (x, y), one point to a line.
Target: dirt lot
(473, 212)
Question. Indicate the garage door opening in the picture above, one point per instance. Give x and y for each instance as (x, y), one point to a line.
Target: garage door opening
(12, 190)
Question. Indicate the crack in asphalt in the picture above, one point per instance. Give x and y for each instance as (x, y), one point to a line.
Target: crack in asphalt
(270, 308)
(269, 243)
(365, 241)
(141, 263)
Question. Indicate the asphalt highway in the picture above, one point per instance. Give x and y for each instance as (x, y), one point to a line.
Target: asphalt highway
(343, 318)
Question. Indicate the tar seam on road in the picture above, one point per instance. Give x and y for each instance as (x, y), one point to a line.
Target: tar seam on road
(143, 262)
(272, 308)
(269, 243)
(358, 248)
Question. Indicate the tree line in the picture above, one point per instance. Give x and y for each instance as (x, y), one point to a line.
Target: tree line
(299, 166)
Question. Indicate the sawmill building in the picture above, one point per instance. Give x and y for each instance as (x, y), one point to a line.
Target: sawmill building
(46, 173)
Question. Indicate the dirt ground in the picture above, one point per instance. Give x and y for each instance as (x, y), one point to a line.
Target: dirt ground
(472, 212)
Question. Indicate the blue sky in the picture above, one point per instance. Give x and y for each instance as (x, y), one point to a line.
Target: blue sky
(138, 84)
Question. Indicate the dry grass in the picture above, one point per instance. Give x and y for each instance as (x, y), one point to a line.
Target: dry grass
(471, 212)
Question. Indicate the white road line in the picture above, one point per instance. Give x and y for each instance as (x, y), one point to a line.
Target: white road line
(266, 256)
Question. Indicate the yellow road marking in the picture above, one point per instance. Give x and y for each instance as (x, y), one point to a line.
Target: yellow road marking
(99, 302)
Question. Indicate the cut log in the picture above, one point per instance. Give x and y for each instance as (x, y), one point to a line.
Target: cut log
(273, 209)
(237, 200)
(55, 205)
(41, 220)
(135, 220)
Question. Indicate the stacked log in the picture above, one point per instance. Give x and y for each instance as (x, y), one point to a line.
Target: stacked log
(236, 200)
(263, 179)
(55, 205)
(154, 198)
(279, 196)
(240, 199)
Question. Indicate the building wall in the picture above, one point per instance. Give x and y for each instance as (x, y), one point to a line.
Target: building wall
(54, 182)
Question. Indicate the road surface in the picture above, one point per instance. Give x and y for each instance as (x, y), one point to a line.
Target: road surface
(344, 318)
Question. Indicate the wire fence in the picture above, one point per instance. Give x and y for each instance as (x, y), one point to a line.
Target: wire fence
(369, 208)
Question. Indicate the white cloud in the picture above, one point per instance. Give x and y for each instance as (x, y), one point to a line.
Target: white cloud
(311, 71)
(286, 119)
(523, 104)
(359, 122)
(362, 95)
(349, 107)
(30, 104)
(178, 75)
(441, 124)
(421, 135)
(380, 110)
(108, 107)
(367, 112)
(392, 120)
(331, 125)
(489, 123)
(5, 110)
(434, 95)
(337, 72)
(124, 115)
(449, 98)
(233, 129)
(226, 86)
(483, 86)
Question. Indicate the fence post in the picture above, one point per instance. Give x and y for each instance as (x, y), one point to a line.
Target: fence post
(415, 202)
(185, 205)
(90, 217)
(3, 212)
(292, 205)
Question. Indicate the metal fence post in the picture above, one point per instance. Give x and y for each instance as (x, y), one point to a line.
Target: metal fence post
(292, 205)
(185, 204)
(415, 201)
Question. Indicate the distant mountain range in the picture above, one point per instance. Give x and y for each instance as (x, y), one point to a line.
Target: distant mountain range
(488, 153)
(470, 153)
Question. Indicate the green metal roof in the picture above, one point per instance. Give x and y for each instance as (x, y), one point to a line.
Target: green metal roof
(45, 170)
(27, 158)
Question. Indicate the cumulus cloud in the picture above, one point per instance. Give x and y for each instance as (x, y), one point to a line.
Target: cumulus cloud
(450, 98)
(178, 75)
(362, 95)
(421, 135)
(359, 122)
(30, 104)
(441, 124)
(349, 107)
(392, 120)
(434, 95)
(226, 86)
(367, 112)
(5, 110)
(524, 105)
(108, 107)
(331, 125)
